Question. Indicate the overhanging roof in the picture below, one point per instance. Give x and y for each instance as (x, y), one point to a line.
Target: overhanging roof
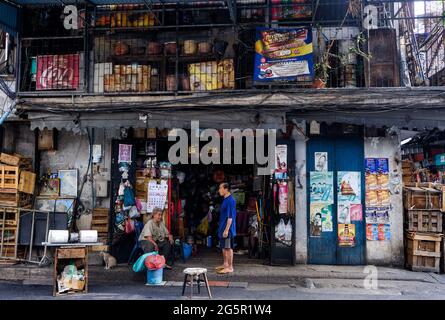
(98, 2)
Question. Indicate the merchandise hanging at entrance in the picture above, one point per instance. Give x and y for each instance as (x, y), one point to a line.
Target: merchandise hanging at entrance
(377, 199)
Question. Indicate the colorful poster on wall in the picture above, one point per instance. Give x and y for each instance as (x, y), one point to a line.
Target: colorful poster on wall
(280, 161)
(321, 187)
(283, 54)
(384, 232)
(378, 201)
(372, 232)
(316, 219)
(124, 153)
(291, 9)
(343, 213)
(282, 198)
(356, 212)
(321, 161)
(55, 72)
(327, 224)
(349, 187)
(383, 215)
(371, 215)
(346, 235)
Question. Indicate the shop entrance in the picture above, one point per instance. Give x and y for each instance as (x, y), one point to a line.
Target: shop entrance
(345, 158)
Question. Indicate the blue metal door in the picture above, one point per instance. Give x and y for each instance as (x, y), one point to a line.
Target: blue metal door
(344, 154)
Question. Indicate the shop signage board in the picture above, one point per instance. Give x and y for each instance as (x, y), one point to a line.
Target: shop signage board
(283, 54)
(439, 159)
(55, 72)
(377, 199)
(296, 9)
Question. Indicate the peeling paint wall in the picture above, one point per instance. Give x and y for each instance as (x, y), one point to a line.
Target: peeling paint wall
(73, 153)
(300, 194)
(388, 252)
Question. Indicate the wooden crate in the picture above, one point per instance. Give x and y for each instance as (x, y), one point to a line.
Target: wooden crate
(423, 251)
(9, 177)
(27, 182)
(424, 220)
(421, 198)
(100, 223)
(12, 160)
(14, 198)
(63, 257)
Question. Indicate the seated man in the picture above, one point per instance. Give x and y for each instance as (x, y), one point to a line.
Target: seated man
(154, 237)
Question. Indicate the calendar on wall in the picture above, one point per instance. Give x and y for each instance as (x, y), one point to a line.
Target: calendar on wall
(156, 195)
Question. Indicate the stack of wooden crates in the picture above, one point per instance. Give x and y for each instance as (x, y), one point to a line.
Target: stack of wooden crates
(17, 185)
(423, 227)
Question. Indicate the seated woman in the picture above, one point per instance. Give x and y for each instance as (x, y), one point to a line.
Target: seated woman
(155, 237)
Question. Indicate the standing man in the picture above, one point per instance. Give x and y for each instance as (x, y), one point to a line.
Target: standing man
(227, 228)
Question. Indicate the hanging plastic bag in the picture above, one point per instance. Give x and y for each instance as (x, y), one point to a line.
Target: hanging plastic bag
(128, 197)
(129, 226)
(280, 230)
(134, 213)
(288, 232)
(203, 227)
(138, 204)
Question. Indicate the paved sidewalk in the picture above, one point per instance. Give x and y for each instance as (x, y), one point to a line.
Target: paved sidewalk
(251, 271)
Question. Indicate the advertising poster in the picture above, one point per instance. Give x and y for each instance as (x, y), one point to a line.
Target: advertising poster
(55, 72)
(281, 162)
(282, 197)
(346, 235)
(296, 9)
(321, 187)
(316, 224)
(383, 215)
(377, 199)
(349, 187)
(321, 161)
(384, 233)
(371, 215)
(356, 212)
(326, 219)
(372, 232)
(124, 153)
(343, 213)
(283, 54)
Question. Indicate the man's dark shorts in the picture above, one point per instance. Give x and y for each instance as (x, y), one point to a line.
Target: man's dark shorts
(227, 243)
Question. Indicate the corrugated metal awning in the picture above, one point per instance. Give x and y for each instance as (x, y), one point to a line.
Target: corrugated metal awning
(104, 2)
(215, 119)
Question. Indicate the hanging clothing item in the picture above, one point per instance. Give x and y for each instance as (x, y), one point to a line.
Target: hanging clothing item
(121, 190)
(129, 197)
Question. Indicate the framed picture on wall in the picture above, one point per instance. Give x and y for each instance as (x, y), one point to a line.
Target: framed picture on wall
(68, 183)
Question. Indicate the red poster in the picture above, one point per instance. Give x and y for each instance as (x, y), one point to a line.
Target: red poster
(56, 72)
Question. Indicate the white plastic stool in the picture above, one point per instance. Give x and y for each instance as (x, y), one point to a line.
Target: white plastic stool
(195, 277)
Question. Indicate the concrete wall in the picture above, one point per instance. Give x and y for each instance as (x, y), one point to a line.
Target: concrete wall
(18, 138)
(72, 153)
(300, 194)
(388, 252)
